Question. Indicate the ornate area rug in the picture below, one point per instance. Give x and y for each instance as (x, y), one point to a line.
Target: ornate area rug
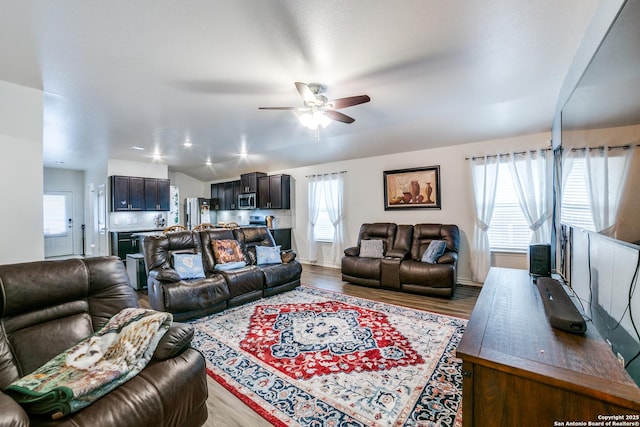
(310, 357)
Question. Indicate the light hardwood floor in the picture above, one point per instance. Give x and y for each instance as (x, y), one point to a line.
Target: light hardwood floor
(226, 410)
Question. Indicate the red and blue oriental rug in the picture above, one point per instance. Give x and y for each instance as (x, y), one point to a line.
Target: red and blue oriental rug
(310, 357)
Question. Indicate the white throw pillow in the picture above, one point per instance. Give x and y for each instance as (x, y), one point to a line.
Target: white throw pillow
(188, 266)
(371, 248)
(268, 255)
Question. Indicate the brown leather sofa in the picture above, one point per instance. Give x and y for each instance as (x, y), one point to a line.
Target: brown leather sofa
(47, 307)
(400, 267)
(189, 298)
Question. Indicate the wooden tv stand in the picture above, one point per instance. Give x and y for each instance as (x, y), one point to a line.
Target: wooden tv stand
(519, 371)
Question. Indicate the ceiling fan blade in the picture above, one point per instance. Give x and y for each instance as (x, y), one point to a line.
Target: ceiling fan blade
(338, 116)
(306, 93)
(278, 108)
(349, 101)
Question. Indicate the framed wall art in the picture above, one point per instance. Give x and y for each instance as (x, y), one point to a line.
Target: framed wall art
(416, 188)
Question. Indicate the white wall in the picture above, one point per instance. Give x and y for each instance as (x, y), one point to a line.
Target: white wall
(365, 191)
(21, 187)
(73, 181)
(129, 168)
(189, 187)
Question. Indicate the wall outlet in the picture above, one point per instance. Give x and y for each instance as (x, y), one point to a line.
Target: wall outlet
(620, 359)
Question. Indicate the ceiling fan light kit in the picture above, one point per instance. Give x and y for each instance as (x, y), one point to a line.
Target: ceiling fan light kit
(318, 110)
(313, 120)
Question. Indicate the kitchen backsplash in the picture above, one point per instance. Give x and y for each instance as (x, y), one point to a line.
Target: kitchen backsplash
(133, 221)
(283, 216)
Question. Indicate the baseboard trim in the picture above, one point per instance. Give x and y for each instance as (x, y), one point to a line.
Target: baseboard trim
(469, 282)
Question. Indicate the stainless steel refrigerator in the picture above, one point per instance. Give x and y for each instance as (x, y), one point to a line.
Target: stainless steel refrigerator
(197, 210)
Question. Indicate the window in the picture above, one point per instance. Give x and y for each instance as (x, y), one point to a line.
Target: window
(55, 215)
(324, 230)
(575, 209)
(509, 230)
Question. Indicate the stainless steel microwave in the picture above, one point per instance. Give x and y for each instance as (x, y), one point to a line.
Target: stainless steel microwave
(247, 201)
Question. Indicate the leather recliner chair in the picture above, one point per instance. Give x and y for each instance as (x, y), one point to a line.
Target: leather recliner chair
(277, 277)
(431, 279)
(366, 271)
(245, 284)
(400, 267)
(47, 307)
(185, 299)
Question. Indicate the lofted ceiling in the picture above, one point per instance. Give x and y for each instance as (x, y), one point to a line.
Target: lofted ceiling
(157, 73)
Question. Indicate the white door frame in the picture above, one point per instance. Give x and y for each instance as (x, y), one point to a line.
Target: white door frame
(61, 244)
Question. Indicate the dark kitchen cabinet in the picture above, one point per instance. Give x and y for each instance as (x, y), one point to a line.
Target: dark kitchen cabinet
(224, 195)
(123, 243)
(249, 182)
(274, 192)
(156, 194)
(231, 191)
(127, 193)
(217, 193)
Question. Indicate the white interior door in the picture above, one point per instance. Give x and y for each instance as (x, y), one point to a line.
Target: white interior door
(102, 221)
(58, 224)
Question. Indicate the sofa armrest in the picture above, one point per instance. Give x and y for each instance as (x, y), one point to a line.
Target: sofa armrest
(164, 275)
(288, 255)
(11, 413)
(174, 341)
(353, 251)
(448, 258)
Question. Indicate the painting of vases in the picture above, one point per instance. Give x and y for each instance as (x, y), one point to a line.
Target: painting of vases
(412, 188)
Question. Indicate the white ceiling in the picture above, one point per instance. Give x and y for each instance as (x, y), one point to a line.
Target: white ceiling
(154, 73)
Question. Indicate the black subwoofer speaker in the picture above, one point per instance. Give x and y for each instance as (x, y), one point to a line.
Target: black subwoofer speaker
(540, 260)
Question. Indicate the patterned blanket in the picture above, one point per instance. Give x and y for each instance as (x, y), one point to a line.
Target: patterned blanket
(93, 367)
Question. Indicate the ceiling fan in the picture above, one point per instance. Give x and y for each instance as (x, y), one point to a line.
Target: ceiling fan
(319, 110)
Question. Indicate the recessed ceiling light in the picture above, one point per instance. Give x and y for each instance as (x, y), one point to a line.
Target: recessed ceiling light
(187, 144)
(208, 162)
(137, 148)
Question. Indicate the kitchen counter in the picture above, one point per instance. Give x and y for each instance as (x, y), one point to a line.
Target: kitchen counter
(146, 233)
(136, 230)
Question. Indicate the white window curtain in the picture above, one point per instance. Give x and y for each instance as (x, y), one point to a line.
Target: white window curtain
(332, 187)
(314, 192)
(532, 174)
(484, 176)
(334, 198)
(607, 172)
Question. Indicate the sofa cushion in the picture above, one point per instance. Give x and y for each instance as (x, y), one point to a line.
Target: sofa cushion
(194, 294)
(227, 251)
(268, 255)
(434, 251)
(188, 266)
(230, 265)
(280, 274)
(371, 248)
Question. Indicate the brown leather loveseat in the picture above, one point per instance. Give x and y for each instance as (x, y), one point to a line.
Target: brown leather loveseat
(218, 289)
(400, 265)
(47, 307)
